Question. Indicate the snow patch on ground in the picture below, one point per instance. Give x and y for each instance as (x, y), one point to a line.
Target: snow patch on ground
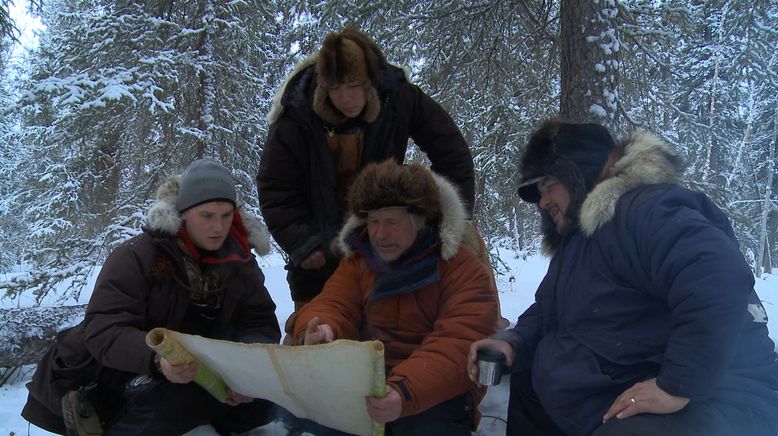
(517, 289)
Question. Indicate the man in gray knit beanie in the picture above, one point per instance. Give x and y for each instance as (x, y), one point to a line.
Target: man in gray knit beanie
(192, 270)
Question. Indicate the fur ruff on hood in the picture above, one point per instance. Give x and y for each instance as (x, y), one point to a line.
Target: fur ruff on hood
(451, 229)
(277, 109)
(647, 160)
(163, 216)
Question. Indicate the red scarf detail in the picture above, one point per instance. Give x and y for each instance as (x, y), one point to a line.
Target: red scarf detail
(234, 249)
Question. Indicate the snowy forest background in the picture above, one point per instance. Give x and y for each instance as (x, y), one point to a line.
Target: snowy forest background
(118, 95)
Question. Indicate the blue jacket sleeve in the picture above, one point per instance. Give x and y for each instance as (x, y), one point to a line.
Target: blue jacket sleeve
(523, 338)
(688, 251)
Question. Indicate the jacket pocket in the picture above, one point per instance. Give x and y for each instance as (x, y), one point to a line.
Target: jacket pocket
(65, 366)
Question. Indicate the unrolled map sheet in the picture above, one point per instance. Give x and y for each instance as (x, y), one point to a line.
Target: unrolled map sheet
(326, 383)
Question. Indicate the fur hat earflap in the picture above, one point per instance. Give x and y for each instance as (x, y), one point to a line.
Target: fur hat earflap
(387, 184)
(347, 57)
(573, 153)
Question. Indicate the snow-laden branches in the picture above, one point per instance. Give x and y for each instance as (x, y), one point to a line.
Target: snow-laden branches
(122, 94)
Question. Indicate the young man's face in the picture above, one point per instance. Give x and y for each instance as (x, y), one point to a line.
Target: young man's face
(555, 199)
(208, 224)
(349, 98)
(391, 232)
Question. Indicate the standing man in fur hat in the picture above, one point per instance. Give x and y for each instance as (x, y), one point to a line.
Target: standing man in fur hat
(408, 281)
(338, 111)
(647, 322)
(191, 270)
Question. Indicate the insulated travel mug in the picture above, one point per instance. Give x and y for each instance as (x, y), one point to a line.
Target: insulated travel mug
(490, 364)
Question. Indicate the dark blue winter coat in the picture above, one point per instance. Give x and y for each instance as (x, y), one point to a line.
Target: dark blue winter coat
(652, 284)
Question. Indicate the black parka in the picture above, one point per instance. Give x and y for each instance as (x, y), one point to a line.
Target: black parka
(297, 179)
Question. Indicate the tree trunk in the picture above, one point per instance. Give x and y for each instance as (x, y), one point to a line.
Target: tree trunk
(589, 62)
(763, 251)
(26, 333)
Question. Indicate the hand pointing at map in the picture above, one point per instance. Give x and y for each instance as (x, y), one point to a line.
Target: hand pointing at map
(317, 333)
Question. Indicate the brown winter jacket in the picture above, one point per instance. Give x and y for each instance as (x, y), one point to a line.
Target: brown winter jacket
(297, 176)
(143, 285)
(426, 332)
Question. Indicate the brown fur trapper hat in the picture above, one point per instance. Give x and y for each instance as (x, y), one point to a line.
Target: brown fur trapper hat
(388, 184)
(573, 153)
(350, 57)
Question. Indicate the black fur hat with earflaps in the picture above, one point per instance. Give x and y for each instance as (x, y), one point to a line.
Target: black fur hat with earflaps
(573, 153)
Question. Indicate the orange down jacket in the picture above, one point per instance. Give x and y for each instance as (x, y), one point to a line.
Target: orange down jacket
(426, 333)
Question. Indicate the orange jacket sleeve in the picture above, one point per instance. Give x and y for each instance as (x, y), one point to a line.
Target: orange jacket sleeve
(339, 304)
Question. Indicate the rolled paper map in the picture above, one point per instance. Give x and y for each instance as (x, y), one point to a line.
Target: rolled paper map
(379, 385)
(166, 346)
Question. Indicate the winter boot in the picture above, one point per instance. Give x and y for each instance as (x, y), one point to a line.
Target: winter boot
(79, 414)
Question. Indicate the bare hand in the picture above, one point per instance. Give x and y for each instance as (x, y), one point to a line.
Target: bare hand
(644, 397)
(387, 409)
(183, 373)
(492, 344)
(317, 333)
(314, 260)
(234, 398)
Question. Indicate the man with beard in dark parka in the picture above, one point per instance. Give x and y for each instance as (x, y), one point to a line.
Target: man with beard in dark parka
(646, 322)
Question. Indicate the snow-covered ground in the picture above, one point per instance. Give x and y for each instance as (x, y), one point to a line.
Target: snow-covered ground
(517, 288)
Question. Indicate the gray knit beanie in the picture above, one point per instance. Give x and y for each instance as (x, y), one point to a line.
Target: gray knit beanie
(205, 180)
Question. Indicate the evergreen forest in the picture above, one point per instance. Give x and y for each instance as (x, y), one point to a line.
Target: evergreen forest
(118, 95)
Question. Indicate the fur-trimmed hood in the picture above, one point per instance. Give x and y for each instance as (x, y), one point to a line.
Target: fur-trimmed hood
(451, 228)
(277, 109)
(647, 160)
(163, 216)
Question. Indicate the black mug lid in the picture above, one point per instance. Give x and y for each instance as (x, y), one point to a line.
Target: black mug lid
(489, 355)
